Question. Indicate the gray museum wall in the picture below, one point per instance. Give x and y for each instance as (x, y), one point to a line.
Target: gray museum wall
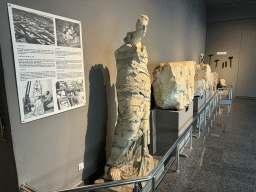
(234, 10)
(8, 174)
(236, 35)
(47, 151)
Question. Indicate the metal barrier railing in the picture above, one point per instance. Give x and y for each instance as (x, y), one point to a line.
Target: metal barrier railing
(226, 100)
(153, 174)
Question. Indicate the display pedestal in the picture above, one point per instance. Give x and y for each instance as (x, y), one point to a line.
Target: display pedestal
(198, 102)
(146, 186)
(214, 88)
(170, 125)
(208, 93)
(152, 145)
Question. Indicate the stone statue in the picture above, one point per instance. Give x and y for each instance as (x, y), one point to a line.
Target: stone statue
(129, 154)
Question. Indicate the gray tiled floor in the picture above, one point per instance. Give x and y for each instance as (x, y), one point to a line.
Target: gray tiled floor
(223, 159)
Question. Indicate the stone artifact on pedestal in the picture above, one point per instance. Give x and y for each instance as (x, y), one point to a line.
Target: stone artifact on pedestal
(201, 59)
(129, 154)
(222, 83)
(174, 84)
(171, 124)
(199, 87)
(214, 77)
(200, 96)
(173, 87)
(204, 71)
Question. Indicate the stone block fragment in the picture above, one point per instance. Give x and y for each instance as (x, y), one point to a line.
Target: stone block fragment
(204, 71)
(174, 84)
(214, 77)
(199, 87)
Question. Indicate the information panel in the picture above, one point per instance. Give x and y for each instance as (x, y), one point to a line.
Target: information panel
(48, 55)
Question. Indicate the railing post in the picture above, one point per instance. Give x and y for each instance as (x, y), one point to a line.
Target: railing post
(154, 183)
(178, 158)
(136, 187)
(205, 116)
(210, 108)
(191, 132)
(199, 127)
(217, 96)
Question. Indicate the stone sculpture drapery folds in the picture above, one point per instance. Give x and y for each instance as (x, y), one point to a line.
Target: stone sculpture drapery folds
(129, 154)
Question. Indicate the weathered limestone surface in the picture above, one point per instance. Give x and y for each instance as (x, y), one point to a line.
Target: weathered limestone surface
(174, 84)
(129, 154)
(199, 86)
(214, 77)
(204, 71)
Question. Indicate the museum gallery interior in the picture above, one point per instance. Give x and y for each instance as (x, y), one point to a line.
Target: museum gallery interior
(128, 95)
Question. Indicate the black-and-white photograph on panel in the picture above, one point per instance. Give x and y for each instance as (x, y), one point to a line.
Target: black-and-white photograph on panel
(69, 93)
(48, 62)
(68, 33)
(33, 28)
(38, 98)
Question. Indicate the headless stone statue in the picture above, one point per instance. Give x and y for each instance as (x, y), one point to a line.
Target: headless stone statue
(129, 154)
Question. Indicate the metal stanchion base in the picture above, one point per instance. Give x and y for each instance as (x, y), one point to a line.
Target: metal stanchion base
(183, 155)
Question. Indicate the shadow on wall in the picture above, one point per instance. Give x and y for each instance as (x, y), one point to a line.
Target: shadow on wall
(112, 117)
(151, 67)
(8, 174)
(95, 139)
